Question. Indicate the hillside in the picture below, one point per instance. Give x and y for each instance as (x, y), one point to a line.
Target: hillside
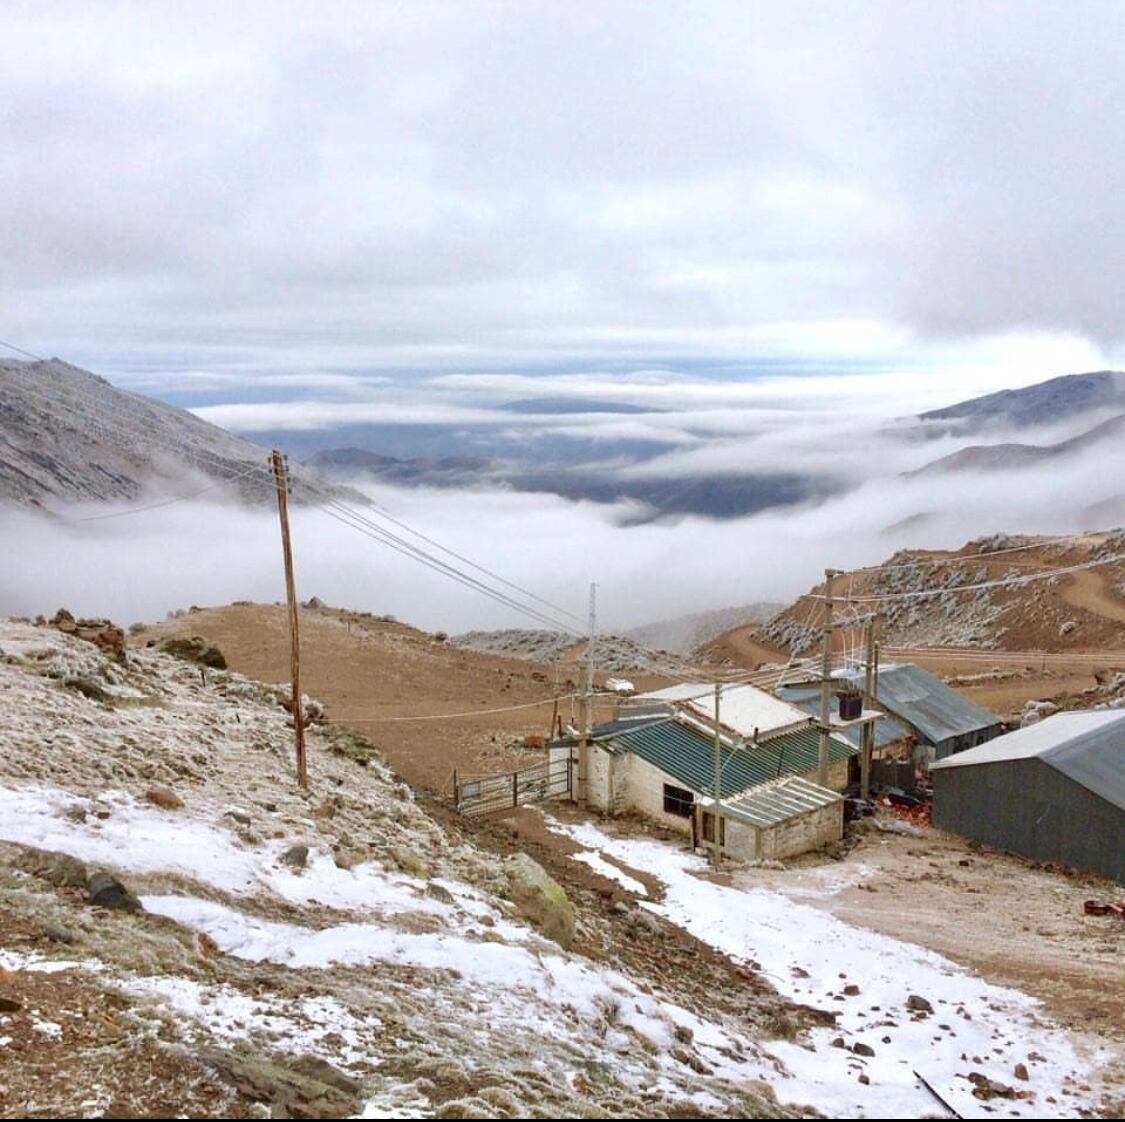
(67, 435)
(1045, 403)
(1107, 440)
(321, 955)
(183, 931)
(685, 635)
(1077, 611)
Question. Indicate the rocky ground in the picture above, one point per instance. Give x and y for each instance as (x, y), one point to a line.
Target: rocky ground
(615, 654)
(1077, 611)
(183, 930)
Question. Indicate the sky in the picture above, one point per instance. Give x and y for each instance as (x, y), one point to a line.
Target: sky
(775, 228)
(196, 194)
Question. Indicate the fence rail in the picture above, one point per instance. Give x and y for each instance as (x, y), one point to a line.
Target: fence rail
(510, 789)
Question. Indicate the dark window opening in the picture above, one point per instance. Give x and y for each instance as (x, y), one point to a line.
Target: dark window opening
(678, 801)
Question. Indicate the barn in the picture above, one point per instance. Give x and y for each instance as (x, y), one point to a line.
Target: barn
(1054, 791)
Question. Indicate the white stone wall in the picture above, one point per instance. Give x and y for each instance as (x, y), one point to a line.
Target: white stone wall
(640, 788)
(787, 839)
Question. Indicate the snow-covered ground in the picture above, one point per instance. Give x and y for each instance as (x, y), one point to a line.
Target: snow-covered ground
(382, 969)
(814, 958)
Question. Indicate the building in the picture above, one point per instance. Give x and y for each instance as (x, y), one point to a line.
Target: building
(663, 765)
(1054, 791)
(923, 712)
(779, 819)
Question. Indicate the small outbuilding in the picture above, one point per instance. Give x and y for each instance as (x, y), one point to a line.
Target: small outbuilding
(779, 819)
(1054, 791)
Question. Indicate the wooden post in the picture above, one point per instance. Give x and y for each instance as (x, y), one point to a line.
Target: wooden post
(825, 681)
(716, 788)
(868, 741)
(294, 633)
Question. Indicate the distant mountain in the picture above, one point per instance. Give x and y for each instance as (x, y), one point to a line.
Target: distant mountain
(449, 471)
(563, 405)
(685, 634)
(709, 496)
(1044, 403)
(67, 435)
(1107, 436)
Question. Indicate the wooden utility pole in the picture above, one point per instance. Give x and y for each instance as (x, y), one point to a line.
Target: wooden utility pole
(279, 474)
(587, 698)
(826, 681)
(868, 703)
(716, 789)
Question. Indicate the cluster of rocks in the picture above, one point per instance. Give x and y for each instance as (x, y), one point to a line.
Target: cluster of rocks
(103, 633)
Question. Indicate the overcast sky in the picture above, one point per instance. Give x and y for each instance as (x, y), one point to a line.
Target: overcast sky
(198, 192)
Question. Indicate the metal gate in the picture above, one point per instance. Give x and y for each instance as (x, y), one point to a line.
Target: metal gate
(510, 789)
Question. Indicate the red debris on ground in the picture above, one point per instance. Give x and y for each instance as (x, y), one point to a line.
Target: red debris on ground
(920, 815)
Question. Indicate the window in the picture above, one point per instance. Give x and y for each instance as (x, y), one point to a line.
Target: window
(678, 801)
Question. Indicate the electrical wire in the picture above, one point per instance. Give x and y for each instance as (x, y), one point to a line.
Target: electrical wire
(452, 716)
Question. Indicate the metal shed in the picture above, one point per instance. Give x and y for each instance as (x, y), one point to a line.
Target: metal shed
(943, 720)
(1054, 791)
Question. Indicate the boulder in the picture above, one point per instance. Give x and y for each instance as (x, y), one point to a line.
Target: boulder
(296, 855)
(164, 798)
(106, 891)
(540, 900)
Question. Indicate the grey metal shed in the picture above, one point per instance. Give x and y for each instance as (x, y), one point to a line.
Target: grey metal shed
(1054, 791)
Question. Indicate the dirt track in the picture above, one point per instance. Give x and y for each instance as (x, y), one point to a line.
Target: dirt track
(1011, 920)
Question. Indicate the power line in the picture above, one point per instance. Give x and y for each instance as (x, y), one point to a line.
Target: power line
(451, 716)
(163, 503)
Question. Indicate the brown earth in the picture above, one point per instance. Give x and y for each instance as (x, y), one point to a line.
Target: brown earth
(397, 685)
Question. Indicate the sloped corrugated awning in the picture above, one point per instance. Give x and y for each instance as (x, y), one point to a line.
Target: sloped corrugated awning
(779, 801)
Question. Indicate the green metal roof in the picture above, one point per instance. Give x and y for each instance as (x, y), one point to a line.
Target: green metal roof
(689, 755)
(778, 801)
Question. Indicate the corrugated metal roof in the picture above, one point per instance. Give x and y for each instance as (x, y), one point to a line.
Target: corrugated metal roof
(743, 708)
(1088, 748)
(927, 703)
(778, 801)
(689, 755)
(887, 731)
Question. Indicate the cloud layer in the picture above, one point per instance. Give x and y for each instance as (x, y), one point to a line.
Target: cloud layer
(421, 186)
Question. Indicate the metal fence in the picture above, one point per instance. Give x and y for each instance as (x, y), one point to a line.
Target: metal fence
(509, 789)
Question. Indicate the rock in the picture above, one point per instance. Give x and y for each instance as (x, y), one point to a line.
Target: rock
(238, 816)
(106, 891)
(1021, 1072)
(10, 1004)
(865, 1079)
(442, 895)
(164, 798)
(59, 934)
(59, 869)
(208, 948)
(306, 1087)
(76, 813)
(410, 861)
(838, 1042)
(918, 1004)
(540, 900)
(861, 1049)
(849, 990)
(1065, 629)
(196, 649)
(684, 1034)
(296, 855)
